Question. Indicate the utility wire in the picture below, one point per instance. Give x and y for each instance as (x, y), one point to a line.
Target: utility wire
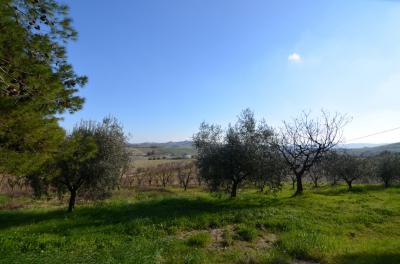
(377, 133)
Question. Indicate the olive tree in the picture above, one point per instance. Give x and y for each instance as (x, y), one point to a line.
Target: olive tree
(349, 168)
(387, 167)
(330, 168)
(271, 171)
(320, 170)
(92, 160)
(231, 157)
(316, 174)
(305, 140)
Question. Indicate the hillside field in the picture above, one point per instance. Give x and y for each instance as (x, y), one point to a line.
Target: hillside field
(177, 149)
(325, 225)
(161, 150)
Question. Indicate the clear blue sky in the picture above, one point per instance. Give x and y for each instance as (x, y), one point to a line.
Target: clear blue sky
(163, 66)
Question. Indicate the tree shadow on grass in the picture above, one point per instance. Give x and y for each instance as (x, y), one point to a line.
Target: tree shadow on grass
(155, 211)
(387, 258)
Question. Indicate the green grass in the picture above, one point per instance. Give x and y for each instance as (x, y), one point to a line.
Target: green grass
(3, 199)
(327, 225)
(202, 239)
(227, 238)
(246, 233)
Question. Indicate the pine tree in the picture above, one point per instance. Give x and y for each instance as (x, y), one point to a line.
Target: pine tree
(37, 83)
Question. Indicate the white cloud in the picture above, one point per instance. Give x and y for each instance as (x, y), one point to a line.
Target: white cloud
(295, 57)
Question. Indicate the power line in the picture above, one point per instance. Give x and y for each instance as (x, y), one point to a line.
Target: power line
(377, 133)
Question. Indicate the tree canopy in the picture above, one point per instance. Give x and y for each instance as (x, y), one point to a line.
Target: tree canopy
(92, 160)
(227, 159)
(37, 83)
(305, 140)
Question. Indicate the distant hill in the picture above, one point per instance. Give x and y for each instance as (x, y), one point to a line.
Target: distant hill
(371, 151)
(171, 144)
(165, 150)
(359, 145)
(181, 148)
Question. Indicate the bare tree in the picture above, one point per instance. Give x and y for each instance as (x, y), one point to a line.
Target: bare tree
(165, 172)
(185, 172)
(129, 180)
(151, 176)
(305, 140)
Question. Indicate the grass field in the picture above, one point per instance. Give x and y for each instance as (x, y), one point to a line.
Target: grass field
(326, 225)
(172, 151)
(144, 163)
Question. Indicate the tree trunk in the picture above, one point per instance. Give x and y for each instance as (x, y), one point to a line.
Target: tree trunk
(72, 200)
(299, 189)
(334, 182)
(387, 183)
(349, 184)
(316, 183)
(293, 183)
(234, 189)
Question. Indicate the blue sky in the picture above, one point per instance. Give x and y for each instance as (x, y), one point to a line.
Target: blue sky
(162, 67)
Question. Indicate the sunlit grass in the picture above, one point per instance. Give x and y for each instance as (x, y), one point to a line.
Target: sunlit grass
(328, 225)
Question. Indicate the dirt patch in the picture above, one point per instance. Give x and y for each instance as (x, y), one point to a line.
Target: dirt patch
(217, 235)
(266, 240)
(226, 237)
